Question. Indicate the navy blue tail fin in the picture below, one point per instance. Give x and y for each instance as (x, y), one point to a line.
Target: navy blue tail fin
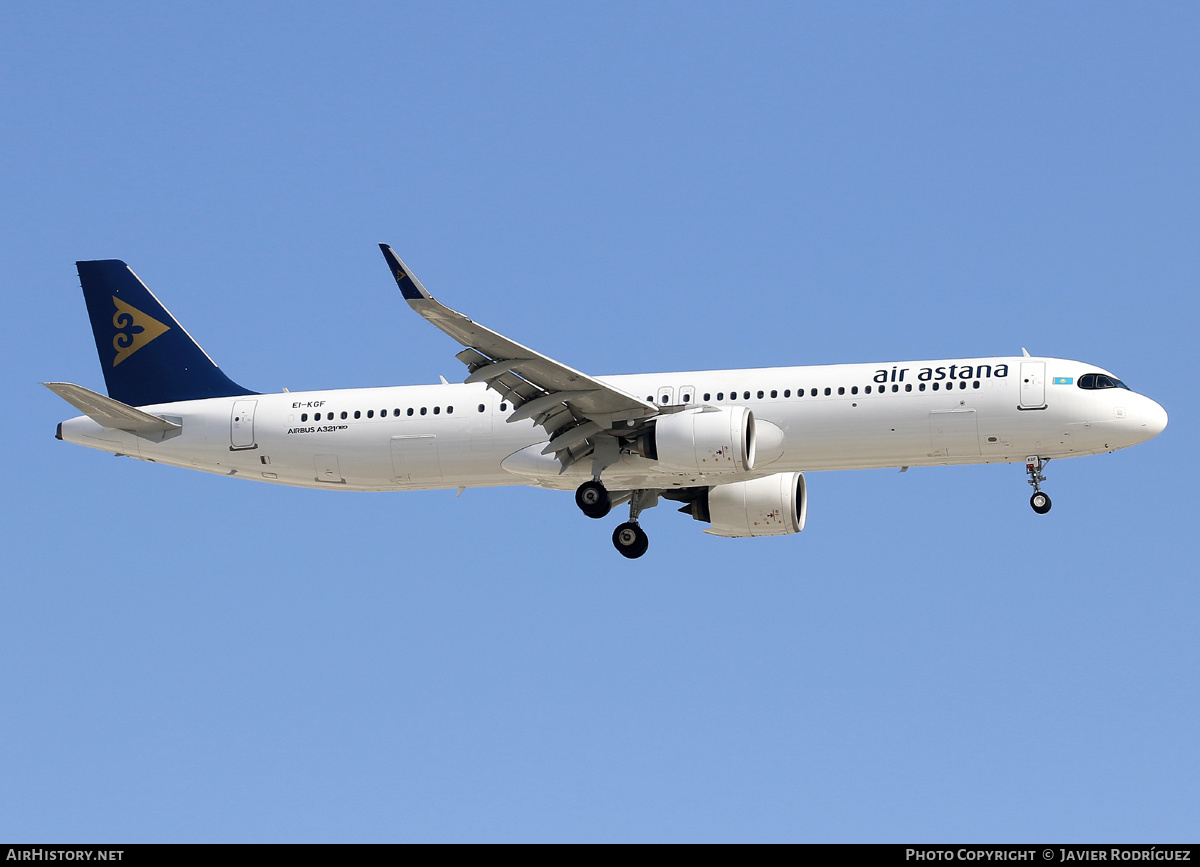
(146, 355)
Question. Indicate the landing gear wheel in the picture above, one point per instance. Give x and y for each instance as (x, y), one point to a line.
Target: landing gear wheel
(1040, 503)
(631, 540)
(592, 499)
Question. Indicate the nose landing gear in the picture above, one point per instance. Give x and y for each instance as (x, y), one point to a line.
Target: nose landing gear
(1039, 501)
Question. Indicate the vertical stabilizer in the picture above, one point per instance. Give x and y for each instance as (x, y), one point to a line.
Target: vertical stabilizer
(147, 356)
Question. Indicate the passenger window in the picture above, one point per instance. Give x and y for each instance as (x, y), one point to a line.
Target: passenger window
(975, 384)
(774, 393)
(503, 407)
(410, 410)
(854, 389)
(720, 395)
(962, 383)
(867, 389)
(370, 413)
(357, 414)
(813, 392)
(828, 392)
(841, 389)
(745, 395)
(481, 407)
(935, 386)
(908, 386)
(449, 410)
(664, 398)
(687, 398)
(303, 416)
(921, 387)
(895, 388)
(706, 397)
(787, 392)
(424, 410)
(437, 410)
(760, 395)
(396, 412)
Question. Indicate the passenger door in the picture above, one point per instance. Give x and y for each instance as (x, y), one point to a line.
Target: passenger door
(241, 425)
(1033, 384)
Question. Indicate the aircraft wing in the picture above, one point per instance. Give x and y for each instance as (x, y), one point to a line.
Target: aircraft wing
(572, 406)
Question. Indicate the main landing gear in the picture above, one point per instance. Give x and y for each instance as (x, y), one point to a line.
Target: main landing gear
(629, 538)
(1039, 501)
(592, 499)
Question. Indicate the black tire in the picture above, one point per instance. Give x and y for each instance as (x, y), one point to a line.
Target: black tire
(631, 540)
(1040, 502)
(592, 499)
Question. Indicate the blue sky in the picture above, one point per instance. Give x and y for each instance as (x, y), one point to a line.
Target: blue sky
(625, 187)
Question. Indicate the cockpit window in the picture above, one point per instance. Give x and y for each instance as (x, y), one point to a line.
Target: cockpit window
(1100, 380)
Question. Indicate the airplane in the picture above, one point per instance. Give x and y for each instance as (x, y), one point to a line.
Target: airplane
(731, 446)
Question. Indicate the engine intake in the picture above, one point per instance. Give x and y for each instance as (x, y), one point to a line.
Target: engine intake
(771, 506)
(702, 440)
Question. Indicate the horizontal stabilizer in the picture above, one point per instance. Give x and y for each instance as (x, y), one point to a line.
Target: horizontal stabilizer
(107, 412)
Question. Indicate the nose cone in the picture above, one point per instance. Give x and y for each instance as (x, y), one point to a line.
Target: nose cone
(1154, 419)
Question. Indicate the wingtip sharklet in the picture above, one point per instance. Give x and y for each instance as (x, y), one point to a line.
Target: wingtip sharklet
(410, 286)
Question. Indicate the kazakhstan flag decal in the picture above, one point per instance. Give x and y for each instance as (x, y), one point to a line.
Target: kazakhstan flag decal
(1063, 380)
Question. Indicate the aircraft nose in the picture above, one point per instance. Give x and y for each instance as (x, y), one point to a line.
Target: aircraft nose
(1154, 419)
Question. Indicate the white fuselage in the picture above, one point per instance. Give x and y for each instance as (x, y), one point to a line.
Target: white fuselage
(454, 435)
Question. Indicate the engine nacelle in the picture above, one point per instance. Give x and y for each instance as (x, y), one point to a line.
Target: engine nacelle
(702, 440)
(772, 506)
